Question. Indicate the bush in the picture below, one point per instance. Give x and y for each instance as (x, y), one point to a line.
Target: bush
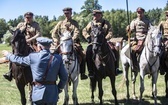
(7, 37)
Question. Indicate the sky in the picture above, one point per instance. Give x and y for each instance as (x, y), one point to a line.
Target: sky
(11, 9)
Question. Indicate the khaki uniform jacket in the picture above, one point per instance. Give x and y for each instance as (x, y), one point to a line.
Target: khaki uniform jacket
(32, 30)
(107, 28)
(164, 28)
(63, 26)
(140, 27)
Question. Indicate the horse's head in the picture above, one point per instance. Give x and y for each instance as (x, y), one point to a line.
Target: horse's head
(98, 38)
(155, 37)
(66, 46)
(18, 43)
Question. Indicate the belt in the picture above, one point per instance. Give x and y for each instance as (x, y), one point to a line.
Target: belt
(44, 83)
(141, 32)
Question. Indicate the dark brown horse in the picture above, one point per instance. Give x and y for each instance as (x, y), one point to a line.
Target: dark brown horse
(21, 74)
(103, 64)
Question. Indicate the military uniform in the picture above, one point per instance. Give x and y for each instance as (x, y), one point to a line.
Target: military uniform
(140, 27)
(71, 26)
(32, 30)
(45, 91)
(63, 26)
(106, 27)
(164, 27)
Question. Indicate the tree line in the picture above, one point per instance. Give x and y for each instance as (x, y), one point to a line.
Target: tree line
(118, 19)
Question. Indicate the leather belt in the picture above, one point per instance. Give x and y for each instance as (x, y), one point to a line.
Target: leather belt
(44, 83)
(141, 32)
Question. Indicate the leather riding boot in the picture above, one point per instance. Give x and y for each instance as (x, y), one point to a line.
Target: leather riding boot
(82, 70)
(8, 75)
(162, 64)
(134, 61)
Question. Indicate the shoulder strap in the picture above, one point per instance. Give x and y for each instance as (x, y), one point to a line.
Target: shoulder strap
(49, 63)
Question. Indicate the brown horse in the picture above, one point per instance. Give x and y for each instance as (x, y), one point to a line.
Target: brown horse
(102, 64)
(21, 74)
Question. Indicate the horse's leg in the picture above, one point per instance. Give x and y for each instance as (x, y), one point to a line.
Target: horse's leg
(125, 74)
(166, 83)
(142, 88)
(74, 95)
(154, 87)
(114, 92)
(21, 88)
(66, 98)
(133, 84)
(93, 87)
(100, 90)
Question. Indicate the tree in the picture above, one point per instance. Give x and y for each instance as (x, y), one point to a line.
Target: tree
(3, 27)
(89, 6)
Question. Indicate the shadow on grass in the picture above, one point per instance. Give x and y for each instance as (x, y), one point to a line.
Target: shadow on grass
(163, 101)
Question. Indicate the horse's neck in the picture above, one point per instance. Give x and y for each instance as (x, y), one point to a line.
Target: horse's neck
(105, 48)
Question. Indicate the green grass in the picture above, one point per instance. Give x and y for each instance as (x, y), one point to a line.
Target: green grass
(9, 94)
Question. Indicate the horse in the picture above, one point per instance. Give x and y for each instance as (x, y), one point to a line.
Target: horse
(126, 64)
(71, 63)
(21, 74)
(150, 60)
(103, 65)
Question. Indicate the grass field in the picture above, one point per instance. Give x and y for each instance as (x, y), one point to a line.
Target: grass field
(9, 94)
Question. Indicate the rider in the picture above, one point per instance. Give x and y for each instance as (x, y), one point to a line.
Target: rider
(70, 25)
(32, 31)
(164, 27)
(140, 27)
(97, 21)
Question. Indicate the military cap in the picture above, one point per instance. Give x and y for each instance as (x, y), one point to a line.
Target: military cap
(97, 11)
(28, 14)
(67, 9)
(140, 9)
(44, 41)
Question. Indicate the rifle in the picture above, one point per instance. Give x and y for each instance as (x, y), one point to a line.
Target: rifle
(129, 39)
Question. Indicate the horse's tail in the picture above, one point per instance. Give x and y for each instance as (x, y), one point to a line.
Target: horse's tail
(93, 84)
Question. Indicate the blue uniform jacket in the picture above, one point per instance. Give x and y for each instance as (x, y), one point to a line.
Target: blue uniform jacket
(38, 63)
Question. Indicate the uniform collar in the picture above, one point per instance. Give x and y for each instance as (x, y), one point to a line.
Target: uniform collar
(68, 20)
(141, 18)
